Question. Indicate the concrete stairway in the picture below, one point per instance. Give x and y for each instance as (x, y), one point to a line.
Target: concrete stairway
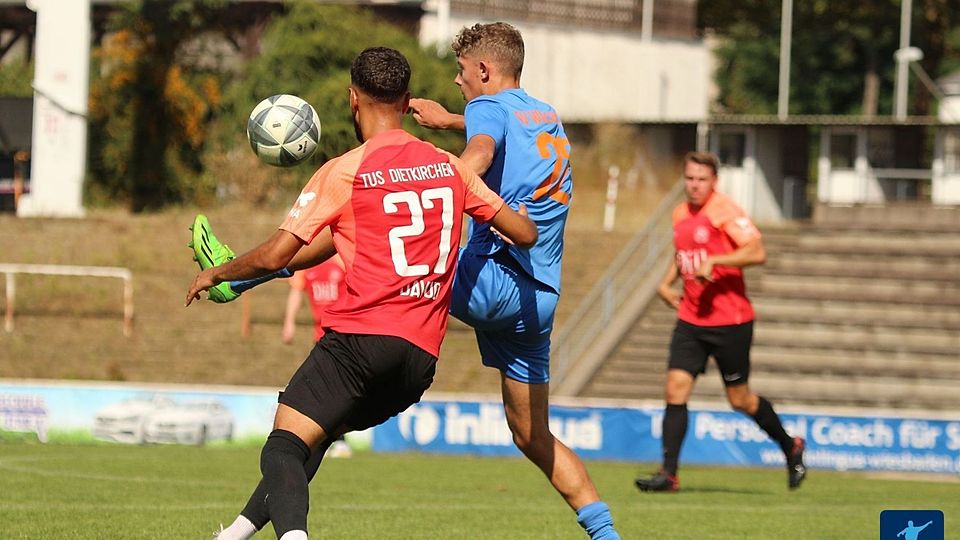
(857, 312)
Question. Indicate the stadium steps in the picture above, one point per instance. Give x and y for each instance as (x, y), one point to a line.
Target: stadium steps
(833, 390)
(856, 263)
(808, 360)
(879, 287)
(871, 311)
(840, 334)
(849, 314)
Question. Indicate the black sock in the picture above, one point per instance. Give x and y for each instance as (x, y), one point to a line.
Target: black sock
(768, 421)
(256, 508)
(674, 430)
(282, 463)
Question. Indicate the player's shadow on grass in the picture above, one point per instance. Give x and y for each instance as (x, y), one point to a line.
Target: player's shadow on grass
(718, 489)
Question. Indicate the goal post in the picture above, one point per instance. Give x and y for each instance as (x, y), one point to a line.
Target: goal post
(124, 274)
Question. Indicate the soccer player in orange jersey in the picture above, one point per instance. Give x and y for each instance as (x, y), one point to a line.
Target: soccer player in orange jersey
(393, 209)
(714, 240)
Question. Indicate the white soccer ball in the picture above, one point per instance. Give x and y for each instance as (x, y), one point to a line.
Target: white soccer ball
(283, 130)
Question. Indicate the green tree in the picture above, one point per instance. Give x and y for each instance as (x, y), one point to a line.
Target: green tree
(842, 53)
(149, 107)
(15, 78)
(308, 52)
(937, 33)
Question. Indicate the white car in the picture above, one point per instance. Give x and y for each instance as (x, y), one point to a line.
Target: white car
(193, 422)
(124, 421)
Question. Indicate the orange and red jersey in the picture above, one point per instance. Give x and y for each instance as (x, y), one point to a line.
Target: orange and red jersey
(718, 227)
(395, 206)
(322, 284)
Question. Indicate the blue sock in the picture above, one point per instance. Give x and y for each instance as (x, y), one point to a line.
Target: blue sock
(247, 284)
(595, 518)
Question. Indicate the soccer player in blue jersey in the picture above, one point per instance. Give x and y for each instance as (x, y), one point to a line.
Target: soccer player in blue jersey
(508, 295)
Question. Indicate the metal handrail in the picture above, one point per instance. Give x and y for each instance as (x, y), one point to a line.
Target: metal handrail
(600, 305)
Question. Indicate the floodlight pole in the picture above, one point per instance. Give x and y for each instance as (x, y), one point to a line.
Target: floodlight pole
(646, 22)
(786, 29)
(903, 63)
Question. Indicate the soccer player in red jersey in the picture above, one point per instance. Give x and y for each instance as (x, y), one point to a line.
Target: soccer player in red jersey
(714, 240)
(394, 207)
(321, 285)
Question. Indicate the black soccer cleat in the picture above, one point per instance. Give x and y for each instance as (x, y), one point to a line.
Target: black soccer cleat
(662, 481)
(796, 470)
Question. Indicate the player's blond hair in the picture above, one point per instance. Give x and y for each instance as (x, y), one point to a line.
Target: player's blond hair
(497, 41)
(703, 158)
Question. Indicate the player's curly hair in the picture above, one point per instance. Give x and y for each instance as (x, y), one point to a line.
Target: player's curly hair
(703, 158)
(498, 41)
(381, 73)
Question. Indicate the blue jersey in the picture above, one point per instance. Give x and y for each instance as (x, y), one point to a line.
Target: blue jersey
(531, 165)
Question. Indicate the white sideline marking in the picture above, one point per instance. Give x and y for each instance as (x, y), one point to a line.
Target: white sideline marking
(118, 507)
(9, 464)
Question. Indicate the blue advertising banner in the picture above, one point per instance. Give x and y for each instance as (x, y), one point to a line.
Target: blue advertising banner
(132, 413)
(721, 437)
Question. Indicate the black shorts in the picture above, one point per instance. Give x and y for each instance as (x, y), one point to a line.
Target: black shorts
(359, 381)
(692, 345)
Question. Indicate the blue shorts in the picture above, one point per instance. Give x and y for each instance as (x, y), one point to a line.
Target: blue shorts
(511, 313)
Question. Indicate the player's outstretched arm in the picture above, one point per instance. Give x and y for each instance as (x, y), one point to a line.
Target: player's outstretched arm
(430, 114)
(317, 251)
(515, 225)
(270, 256)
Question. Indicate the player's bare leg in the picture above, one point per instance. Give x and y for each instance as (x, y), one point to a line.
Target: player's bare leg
(526, 408)
(757, 407)
(527, 411)
(742, 399)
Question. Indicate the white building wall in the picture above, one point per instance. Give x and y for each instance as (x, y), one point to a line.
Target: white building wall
(595, 75)
(847, 186)
(946, 167)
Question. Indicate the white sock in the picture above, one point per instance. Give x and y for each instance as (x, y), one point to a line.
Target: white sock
(240, 529)
(294, 535)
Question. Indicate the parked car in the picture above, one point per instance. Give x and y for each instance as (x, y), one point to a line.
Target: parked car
(124, 421)
(193, 422)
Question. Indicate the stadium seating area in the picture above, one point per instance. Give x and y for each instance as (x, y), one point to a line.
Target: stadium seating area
(860, 308)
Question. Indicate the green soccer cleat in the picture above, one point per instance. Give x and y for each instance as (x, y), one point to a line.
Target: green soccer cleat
(209, 252)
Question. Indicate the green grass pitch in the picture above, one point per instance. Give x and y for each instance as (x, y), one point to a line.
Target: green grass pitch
(129, 492)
